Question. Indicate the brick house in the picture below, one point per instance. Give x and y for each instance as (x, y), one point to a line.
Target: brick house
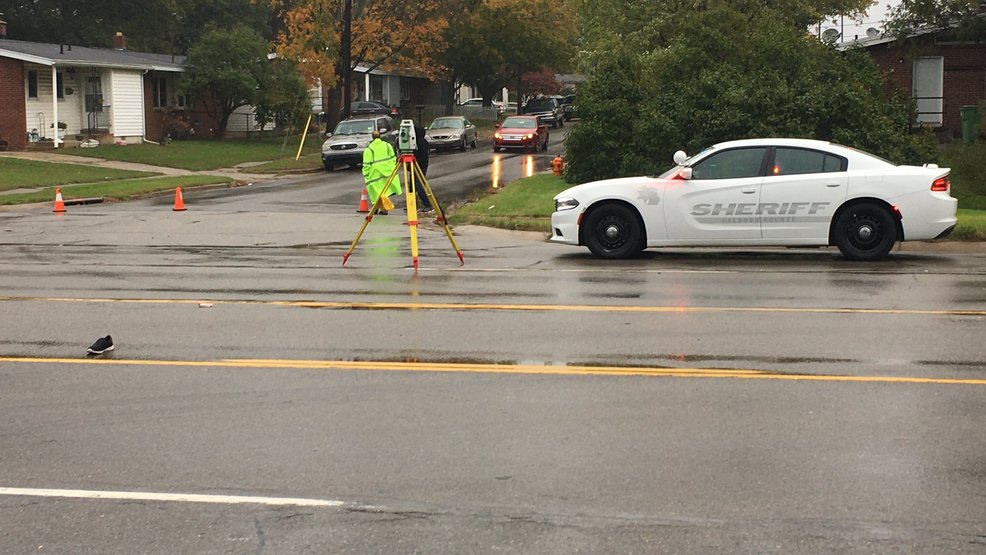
(940, 73)
(112, 94)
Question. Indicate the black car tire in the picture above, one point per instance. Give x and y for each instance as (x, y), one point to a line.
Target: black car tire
(496, 148)
(614, 231)
(462, 144)
(865, 231)
(329, 166)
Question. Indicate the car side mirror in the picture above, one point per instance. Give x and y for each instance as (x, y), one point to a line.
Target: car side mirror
(680, 157)
(685, 173)
(496, 125)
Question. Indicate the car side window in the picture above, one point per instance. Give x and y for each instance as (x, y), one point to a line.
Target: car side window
(798, 161)
(730, 164)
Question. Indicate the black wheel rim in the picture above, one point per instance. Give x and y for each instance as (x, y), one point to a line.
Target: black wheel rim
(612, 231)
(865, 231)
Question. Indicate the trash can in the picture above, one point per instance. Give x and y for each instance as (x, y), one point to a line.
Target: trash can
(970, 123)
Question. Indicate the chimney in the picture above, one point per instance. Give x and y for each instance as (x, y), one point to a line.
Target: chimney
(119, 41)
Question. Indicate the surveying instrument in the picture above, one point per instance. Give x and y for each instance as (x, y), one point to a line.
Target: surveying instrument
(413, 178)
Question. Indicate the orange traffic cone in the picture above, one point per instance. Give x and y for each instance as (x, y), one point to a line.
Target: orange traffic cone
(179, 202)
(59, 203)
(364, 203)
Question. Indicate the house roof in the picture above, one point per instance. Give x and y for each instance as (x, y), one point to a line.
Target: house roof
(69, 55)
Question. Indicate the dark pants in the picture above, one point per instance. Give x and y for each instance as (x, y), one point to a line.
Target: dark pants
(423, 201)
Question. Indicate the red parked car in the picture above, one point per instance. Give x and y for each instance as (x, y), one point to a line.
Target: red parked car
(521, 132)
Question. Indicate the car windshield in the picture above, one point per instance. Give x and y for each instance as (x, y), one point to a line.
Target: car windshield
(446, 123)
(542, 105)
(363, 127)
(519, 123)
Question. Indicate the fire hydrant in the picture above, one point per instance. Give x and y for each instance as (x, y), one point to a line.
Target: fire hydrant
(557, 165)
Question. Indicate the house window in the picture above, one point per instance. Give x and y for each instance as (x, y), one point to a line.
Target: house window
(376, 88)
(160, 88)
(184, 101)
(929, 80)
(59, 87)
(32, 84)
(405, 89)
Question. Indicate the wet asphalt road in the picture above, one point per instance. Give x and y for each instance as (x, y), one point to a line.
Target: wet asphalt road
(533, 400)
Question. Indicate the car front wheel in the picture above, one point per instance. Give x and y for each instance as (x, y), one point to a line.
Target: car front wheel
(865, 231)
(614, 231)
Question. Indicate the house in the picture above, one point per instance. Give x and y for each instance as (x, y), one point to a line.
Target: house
(60, 92)
(939, 72)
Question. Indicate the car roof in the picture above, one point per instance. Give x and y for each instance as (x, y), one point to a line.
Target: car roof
(804, 143)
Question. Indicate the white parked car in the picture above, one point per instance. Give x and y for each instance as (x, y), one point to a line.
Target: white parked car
(761, 192)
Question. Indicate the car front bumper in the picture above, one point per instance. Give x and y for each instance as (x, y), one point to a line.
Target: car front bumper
(444, 142)
(565, 226)
(515, 141)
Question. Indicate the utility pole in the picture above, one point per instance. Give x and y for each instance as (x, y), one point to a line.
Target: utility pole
(347, 59)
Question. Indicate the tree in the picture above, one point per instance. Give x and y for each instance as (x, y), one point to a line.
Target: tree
(494, 42)
(386, 34)
(225, 70)
(964, 16)
(726, 75)
(283, 98)
(165, 26)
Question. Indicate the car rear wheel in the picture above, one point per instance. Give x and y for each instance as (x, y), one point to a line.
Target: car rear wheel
(865, 231)
(614, 231)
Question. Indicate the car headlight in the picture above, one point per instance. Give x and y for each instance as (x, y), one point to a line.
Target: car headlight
(362, 144)
(453, 136)
(565, 203)
(496, 135)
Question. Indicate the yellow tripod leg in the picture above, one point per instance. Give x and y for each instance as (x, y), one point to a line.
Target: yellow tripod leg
(439, 213)
(411, 199)
(369, 217)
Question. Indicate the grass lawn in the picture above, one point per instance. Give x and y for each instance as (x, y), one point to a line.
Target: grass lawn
(526, 204)
(200, 155)
(117, 190)
(306, 162)
(971, 226)
(25, 174)
(968, 175)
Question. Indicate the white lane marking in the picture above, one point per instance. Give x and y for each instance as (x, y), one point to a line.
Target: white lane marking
(179, 497)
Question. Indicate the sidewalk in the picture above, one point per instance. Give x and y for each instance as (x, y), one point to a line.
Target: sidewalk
(59, 158)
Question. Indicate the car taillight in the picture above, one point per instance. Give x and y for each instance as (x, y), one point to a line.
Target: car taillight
(941, 184)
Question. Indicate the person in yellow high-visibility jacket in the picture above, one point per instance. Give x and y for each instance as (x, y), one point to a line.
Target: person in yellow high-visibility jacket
(379, 161)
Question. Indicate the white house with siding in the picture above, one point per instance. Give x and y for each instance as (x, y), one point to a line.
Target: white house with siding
(94, 92)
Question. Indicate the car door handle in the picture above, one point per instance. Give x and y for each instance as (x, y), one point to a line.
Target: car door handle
(833, 185)
(749, 191)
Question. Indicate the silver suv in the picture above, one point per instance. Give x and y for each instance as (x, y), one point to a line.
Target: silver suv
(345, 145)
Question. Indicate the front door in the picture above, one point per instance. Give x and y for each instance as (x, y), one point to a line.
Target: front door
(719, 203)
(94, 103)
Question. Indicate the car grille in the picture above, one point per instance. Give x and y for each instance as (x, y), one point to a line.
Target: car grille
(343, 146)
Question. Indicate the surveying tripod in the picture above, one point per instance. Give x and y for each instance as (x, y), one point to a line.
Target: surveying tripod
(413, 177)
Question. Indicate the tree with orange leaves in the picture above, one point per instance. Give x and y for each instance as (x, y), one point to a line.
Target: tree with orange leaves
(387, 34)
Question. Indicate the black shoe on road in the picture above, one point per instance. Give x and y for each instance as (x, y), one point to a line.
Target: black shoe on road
(102, 345)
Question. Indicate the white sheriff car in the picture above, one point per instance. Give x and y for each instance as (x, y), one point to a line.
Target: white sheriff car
(761, 192)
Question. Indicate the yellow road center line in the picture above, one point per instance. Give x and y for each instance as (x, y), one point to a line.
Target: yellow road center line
(480, 368)
(339, 305)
